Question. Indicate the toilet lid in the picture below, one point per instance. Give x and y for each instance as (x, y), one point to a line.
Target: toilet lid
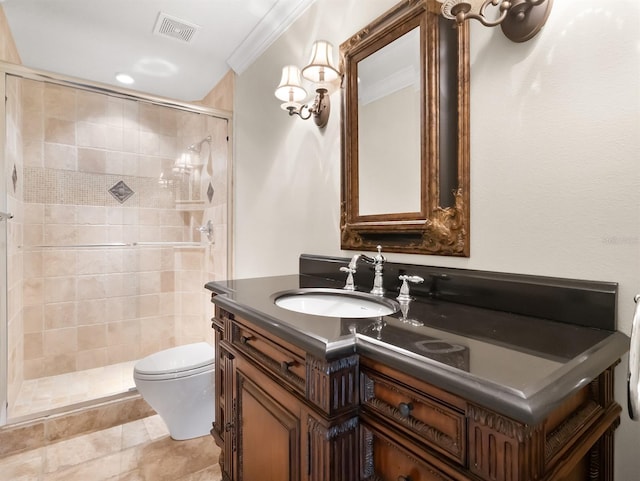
(176, 359)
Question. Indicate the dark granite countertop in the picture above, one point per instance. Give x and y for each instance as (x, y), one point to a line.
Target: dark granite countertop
(520, 366)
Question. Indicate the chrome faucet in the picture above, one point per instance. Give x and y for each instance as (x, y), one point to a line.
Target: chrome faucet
(404, 289)
(377, 261)
(378, 264)
(351, 270)
(404, 298)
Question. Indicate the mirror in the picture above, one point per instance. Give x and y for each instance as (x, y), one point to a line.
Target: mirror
(389, 152)
(405, 134)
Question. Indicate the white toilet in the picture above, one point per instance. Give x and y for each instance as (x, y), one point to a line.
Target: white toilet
(178, 384)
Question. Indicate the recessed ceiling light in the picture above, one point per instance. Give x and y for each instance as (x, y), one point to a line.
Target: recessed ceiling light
(124, 78)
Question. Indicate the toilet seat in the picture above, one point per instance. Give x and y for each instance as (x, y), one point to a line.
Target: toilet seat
(177, 362)
(173, 375)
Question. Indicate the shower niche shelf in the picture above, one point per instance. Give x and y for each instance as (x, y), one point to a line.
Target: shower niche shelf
(190, 205)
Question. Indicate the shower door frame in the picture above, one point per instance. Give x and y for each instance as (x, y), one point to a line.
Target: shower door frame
(19, 71)
(4, 338)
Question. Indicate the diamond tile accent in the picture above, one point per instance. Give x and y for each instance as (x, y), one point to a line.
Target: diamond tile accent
(14, 178)
(210, 192)
(121, 192)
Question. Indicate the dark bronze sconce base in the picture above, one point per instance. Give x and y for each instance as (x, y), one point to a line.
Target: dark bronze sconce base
(524, 20)
(320, 109)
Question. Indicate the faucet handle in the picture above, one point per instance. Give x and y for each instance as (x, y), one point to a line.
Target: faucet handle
(207, 229)
(349, 286)
(404, 289)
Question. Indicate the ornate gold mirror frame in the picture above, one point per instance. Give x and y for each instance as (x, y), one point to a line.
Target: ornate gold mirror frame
(438, 221)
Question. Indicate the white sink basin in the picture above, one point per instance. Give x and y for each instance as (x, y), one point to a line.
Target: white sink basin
(335, 303)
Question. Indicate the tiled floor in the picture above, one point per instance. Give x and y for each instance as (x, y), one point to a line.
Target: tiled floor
(44, 394)
(138, 451)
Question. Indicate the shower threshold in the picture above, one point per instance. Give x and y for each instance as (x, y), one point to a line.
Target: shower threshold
(54, 394)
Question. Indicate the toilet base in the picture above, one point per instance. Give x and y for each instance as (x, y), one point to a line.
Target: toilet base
(188, 409)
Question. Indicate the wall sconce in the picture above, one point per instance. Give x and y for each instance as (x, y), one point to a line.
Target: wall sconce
(322, 73)
(520, 20)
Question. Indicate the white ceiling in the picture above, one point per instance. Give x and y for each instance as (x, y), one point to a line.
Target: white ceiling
(95, 39)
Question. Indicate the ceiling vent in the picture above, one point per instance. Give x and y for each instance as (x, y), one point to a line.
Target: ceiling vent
(174, 27)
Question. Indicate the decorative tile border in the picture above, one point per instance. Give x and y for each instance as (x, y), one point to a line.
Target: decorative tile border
(53, 186)
(14, 178)
(121, 192)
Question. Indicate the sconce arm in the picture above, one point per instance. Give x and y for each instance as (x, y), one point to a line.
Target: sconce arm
(504, 10)
(299, 111)
(520, 20)
(319, 109)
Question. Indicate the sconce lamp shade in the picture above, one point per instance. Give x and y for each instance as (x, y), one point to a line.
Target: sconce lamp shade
(290, 88)
(321, 68)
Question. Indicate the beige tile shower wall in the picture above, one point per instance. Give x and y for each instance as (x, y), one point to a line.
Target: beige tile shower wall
(15, 326)
(217, 261)
(89, 307)
(189, 281)
(217, 253)
(220, 97)
(195, 267)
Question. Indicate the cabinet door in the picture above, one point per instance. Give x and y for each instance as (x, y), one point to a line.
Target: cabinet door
(269, 430)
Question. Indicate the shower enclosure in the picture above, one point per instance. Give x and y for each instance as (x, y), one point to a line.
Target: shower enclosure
(120, 215)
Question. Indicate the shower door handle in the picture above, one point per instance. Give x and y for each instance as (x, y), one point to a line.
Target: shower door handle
(5, 215)
(633, 376)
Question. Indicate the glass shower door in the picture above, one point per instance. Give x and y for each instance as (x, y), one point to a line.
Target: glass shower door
(105, 259)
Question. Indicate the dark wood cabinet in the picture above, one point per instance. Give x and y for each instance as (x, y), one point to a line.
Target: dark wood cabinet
(269, 430)
(384, 458)
(279, 413)
(283, 414)
(258, 420)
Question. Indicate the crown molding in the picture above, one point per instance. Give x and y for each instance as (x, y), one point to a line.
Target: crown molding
(280, 17)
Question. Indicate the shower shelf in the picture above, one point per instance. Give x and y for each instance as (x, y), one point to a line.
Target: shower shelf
(190, 205)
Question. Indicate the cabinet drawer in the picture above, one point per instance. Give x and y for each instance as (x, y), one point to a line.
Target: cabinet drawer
(273, 356)
(429, 421)
(385, 459)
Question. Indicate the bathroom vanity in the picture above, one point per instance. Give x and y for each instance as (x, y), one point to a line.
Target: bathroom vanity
(510, 378)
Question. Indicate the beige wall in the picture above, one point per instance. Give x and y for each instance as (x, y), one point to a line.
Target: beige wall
(555, 176)
(221, 96)
(8, 50)
(287, 171)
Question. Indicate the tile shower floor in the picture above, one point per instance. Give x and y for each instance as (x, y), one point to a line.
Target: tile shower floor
(44, 394)
(137, 451)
